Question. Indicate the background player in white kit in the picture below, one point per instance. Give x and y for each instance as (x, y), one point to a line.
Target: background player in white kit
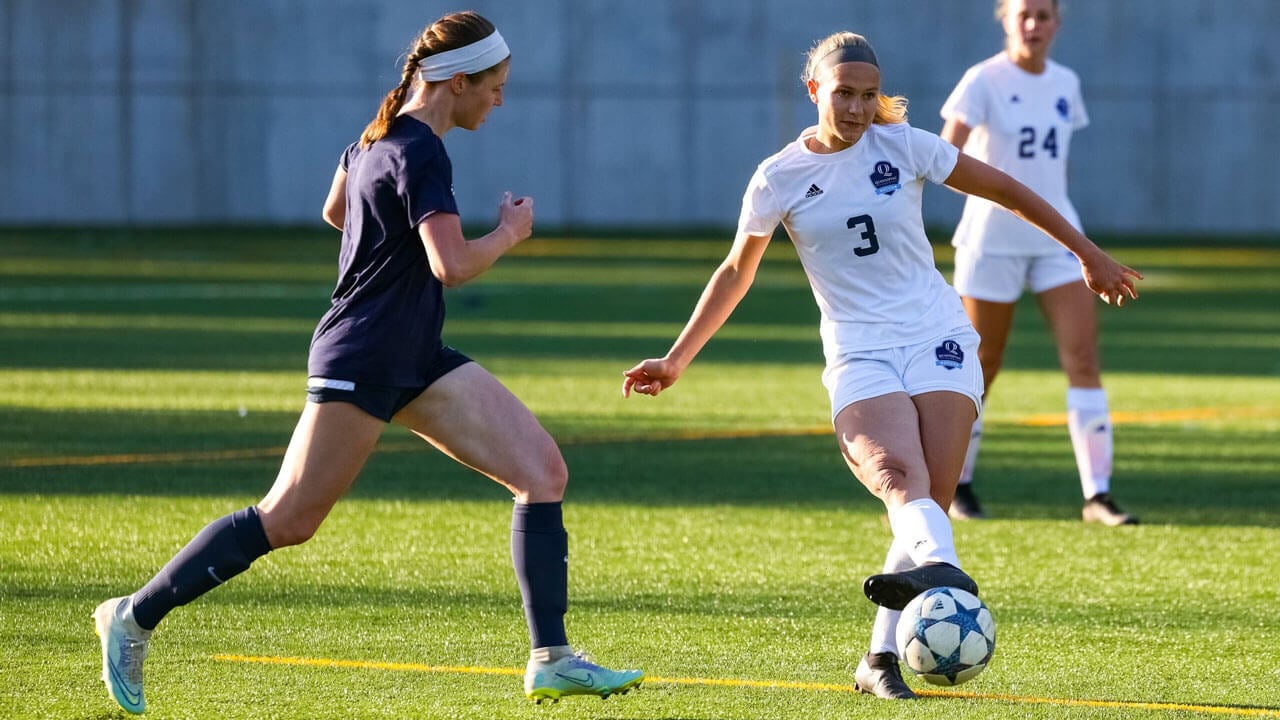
(901, 374)
(1017, 111)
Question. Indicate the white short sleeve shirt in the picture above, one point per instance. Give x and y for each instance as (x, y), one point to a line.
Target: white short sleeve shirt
(854, 217)
(1022, 124)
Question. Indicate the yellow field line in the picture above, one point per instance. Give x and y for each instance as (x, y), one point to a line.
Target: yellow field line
(142, 458)
(764, 684)
(1155, 417)
(1047, 420)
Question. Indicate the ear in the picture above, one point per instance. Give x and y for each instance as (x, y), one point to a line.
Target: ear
(458, 83)
(812, 85)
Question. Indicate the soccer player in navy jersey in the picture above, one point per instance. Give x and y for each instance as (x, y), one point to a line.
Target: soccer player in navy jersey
(903, 379)
(1017, 111)
(377, 357)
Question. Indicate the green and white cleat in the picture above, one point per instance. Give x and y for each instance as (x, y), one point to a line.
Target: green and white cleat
(124, 647)
(576, 675)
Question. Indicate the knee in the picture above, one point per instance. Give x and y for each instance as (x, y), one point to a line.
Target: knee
(889, 483)
(548, 476)
(287, 528)
(883, 472)
(556, 475)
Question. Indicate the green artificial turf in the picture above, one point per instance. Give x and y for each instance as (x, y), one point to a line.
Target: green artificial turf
(148, 381)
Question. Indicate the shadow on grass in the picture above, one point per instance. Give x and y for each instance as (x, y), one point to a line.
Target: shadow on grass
(1200, 476)
(1227, 331)
(362, 599)
(1187, 476)
(1129, 345)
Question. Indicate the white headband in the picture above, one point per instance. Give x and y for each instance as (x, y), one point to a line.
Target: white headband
(468, 59)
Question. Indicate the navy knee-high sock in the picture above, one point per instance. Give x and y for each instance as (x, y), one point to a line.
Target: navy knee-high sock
(223, 549)
(540, 553)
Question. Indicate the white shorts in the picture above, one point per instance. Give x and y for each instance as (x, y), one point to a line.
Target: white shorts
(947, 362)
(1002, 278)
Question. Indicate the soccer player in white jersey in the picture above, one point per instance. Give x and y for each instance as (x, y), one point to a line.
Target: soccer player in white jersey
(1017, 112)
(904, 383)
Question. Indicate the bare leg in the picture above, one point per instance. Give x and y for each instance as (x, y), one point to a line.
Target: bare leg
(474, 419)
(884, 443)
(880, 441)
(1071, 311)
(993, 321)
(471, 417)
(330, 446)
(945, 418)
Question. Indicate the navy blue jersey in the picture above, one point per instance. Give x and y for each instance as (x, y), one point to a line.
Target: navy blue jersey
(388, 308)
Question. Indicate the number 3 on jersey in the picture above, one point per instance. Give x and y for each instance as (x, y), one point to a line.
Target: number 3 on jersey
(868, 234)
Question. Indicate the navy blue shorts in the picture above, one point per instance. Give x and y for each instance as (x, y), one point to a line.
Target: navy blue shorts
(382, 401)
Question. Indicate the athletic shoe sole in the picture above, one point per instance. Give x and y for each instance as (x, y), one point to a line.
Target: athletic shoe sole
(895, 590)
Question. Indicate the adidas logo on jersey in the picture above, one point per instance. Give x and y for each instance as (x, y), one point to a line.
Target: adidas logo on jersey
(813, 191)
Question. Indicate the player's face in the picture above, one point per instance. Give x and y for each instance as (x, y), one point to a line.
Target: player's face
(479, 97)
(1029, 27)
(847, 96)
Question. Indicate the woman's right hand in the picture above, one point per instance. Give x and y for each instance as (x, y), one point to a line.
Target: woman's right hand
(516, 216)
(651, 377)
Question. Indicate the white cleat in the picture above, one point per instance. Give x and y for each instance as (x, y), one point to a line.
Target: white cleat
(124, 647)
(576, 675)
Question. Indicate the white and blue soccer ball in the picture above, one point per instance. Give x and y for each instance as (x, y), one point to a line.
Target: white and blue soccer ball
(946, 636)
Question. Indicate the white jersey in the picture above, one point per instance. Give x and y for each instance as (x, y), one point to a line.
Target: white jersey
(1022, 124)
(854, 217)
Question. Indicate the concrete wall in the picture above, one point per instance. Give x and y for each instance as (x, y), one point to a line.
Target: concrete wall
(618, 112)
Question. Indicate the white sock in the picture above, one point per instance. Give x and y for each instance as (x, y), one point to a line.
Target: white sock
(549, 654)
(925, 531)
(884, 631)
(1089, 422)
(971, 455)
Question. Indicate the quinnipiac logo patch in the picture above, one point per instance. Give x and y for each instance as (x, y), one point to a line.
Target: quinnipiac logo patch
(885, 178)
(949, 355)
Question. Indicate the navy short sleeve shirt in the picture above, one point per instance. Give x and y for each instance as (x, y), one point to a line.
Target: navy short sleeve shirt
(383, 326)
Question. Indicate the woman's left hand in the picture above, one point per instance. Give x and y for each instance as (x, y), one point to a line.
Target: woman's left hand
(650, 377)
(1110, 280)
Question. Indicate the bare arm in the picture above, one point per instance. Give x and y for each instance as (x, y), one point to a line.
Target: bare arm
(955, 132)
(1104, 276)
(456, 260)
(335, 205)
(726, 288)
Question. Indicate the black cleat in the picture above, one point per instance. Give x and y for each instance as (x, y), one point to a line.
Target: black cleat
(878, 674)
(964, 506)
(1102, 509)
(895, 590)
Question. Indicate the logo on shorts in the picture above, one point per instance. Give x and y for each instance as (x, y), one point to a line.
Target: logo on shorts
(949, 355)
(885, 178)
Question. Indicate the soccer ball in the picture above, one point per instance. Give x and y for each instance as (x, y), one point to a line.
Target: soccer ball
(946, 636)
